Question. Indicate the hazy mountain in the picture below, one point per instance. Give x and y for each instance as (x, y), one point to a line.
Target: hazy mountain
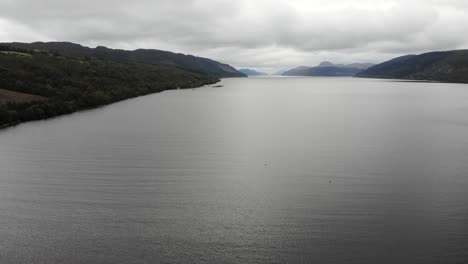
(322, 71)
(250, 72)
(150, 56)
(327, 68)
(352, 65)
(446, 66)
(359, 65)
(280, 72)
(326, 64)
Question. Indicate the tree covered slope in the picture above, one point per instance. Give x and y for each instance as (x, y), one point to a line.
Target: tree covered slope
(149, 56)
(68, 84)
(446, 66)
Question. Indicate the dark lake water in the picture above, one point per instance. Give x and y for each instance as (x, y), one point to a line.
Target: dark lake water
(262, 170)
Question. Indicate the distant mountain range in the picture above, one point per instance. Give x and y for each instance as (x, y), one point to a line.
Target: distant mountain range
(445, 66)
(149, 56)
(280, 72)
(327, 68)
(250, 72)
(352, 65)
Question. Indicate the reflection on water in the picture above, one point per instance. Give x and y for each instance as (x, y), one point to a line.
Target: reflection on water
(263, 170)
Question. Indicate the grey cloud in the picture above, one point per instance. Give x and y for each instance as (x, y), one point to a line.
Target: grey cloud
(261, 34)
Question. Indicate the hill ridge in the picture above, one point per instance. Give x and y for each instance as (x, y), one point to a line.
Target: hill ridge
(444, 66)
(150, 56)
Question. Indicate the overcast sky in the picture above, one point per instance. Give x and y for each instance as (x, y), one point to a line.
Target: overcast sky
(260, 34)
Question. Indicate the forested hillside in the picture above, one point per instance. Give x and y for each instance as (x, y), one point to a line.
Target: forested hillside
(445, 66)
(67, 84)
(148, 56)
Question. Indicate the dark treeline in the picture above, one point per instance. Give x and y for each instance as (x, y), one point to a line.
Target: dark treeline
(71, 84)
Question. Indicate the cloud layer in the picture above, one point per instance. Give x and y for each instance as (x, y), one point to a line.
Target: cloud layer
(262, 34)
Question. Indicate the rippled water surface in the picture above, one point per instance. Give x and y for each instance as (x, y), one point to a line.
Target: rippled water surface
(262, 170)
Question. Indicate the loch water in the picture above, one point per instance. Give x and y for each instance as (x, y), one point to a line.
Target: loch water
(261, 170)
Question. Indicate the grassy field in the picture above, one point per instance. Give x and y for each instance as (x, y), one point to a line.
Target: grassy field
(7, 96)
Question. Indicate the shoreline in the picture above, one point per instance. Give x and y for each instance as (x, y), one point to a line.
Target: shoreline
(9, 125)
